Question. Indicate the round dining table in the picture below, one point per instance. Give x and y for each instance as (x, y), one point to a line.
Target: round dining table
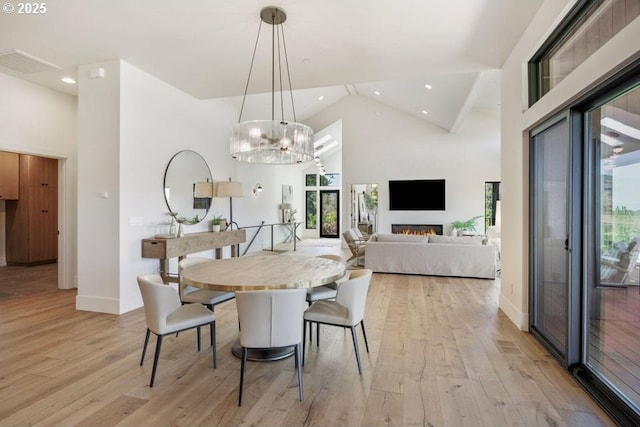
(261, 272)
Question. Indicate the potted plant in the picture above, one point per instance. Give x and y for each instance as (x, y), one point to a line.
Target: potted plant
(468, 225)
(215, 223)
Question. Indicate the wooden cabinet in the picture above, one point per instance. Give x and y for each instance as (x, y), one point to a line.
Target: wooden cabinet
(9, 175)
(32, 221)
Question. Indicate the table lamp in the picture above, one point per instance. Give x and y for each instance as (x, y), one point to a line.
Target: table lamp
(229, 189)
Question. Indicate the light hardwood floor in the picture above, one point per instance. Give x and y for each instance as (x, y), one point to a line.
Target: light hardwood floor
(442, 354)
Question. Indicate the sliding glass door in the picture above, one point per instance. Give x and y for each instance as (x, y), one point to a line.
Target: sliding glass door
(550, 147)
(585, 243)
(612, 320)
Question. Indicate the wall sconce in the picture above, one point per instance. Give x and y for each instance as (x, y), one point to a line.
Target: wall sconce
(257, 189)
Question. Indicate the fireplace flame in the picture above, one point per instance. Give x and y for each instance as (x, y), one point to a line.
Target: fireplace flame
(430, 232)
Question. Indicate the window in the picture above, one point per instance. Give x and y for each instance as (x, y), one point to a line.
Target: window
(587, 27)
(330, 180)
(311, 180)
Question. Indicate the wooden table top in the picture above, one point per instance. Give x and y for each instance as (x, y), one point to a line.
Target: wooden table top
(263, 272)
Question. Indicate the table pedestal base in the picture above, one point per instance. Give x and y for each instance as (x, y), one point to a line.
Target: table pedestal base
(262, 355)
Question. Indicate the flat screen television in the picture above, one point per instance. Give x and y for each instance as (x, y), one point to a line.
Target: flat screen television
(417, 195)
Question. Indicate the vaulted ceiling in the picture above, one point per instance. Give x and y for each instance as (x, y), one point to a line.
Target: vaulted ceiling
(434, 59)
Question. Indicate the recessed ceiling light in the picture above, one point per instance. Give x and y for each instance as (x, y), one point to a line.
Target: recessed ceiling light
(376, 92)
(425, 112)
(68, 80)
(321, 97)
(428, 86)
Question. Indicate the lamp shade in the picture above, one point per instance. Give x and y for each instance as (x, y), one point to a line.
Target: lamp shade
(203, 190)
(228, 189)
(274, 142)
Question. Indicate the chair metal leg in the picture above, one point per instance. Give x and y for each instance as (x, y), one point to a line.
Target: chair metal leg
(364, 334)
(243, 363)
(317, 334)
(155, 360)
(299, 366)
(304, 338)
(355, 346)
(144, 348)
(212, 336)
(198, 329)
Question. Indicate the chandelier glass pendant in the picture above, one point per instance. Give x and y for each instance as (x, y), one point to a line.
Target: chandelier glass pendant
(275, 141)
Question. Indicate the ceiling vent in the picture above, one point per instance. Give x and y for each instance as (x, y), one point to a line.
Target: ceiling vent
(16, 60)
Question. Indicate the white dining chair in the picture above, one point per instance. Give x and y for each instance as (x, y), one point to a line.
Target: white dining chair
(270, 319)
(191, 294)
(327, 291)
(347, 311)
(166, 315)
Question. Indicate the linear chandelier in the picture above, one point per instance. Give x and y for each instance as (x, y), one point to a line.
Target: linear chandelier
(275, 141)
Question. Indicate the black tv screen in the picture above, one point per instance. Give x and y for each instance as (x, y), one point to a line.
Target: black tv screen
(417, 195)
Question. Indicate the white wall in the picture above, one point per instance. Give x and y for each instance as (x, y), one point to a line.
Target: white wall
(382, 144)
(35, 120)
(98, 171)
(251, 209)
(131, 124)
(516, 120)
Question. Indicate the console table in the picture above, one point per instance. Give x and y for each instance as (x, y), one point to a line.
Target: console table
(179, 247)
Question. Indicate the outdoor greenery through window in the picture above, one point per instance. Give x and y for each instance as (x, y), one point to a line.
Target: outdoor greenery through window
(491, 196)
(314, 183)
(589, 25)
(311, 198)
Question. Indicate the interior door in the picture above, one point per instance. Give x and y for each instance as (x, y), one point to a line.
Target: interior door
(330, 213)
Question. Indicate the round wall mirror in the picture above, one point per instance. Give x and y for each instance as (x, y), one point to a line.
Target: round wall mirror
(188, 186)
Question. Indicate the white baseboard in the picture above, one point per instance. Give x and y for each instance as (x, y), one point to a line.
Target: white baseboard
(520, 319)
(98, 304)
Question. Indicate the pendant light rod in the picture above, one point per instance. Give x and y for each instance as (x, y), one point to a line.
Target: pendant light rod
(273, 66)
(246, 87)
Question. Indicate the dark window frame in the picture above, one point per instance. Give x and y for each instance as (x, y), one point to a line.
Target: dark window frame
(555, 40)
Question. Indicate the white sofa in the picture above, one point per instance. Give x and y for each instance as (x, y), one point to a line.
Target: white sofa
(434, 255)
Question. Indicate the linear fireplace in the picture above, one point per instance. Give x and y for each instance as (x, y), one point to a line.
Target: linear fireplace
(419, 229)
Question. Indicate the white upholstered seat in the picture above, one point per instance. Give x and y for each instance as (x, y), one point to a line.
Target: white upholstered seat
(190, 294)
(166, 315)
(270, 319)
(327, 291)
(347, 311)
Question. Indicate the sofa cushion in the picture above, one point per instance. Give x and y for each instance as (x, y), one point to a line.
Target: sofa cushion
(393, 237)
(463, 240)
